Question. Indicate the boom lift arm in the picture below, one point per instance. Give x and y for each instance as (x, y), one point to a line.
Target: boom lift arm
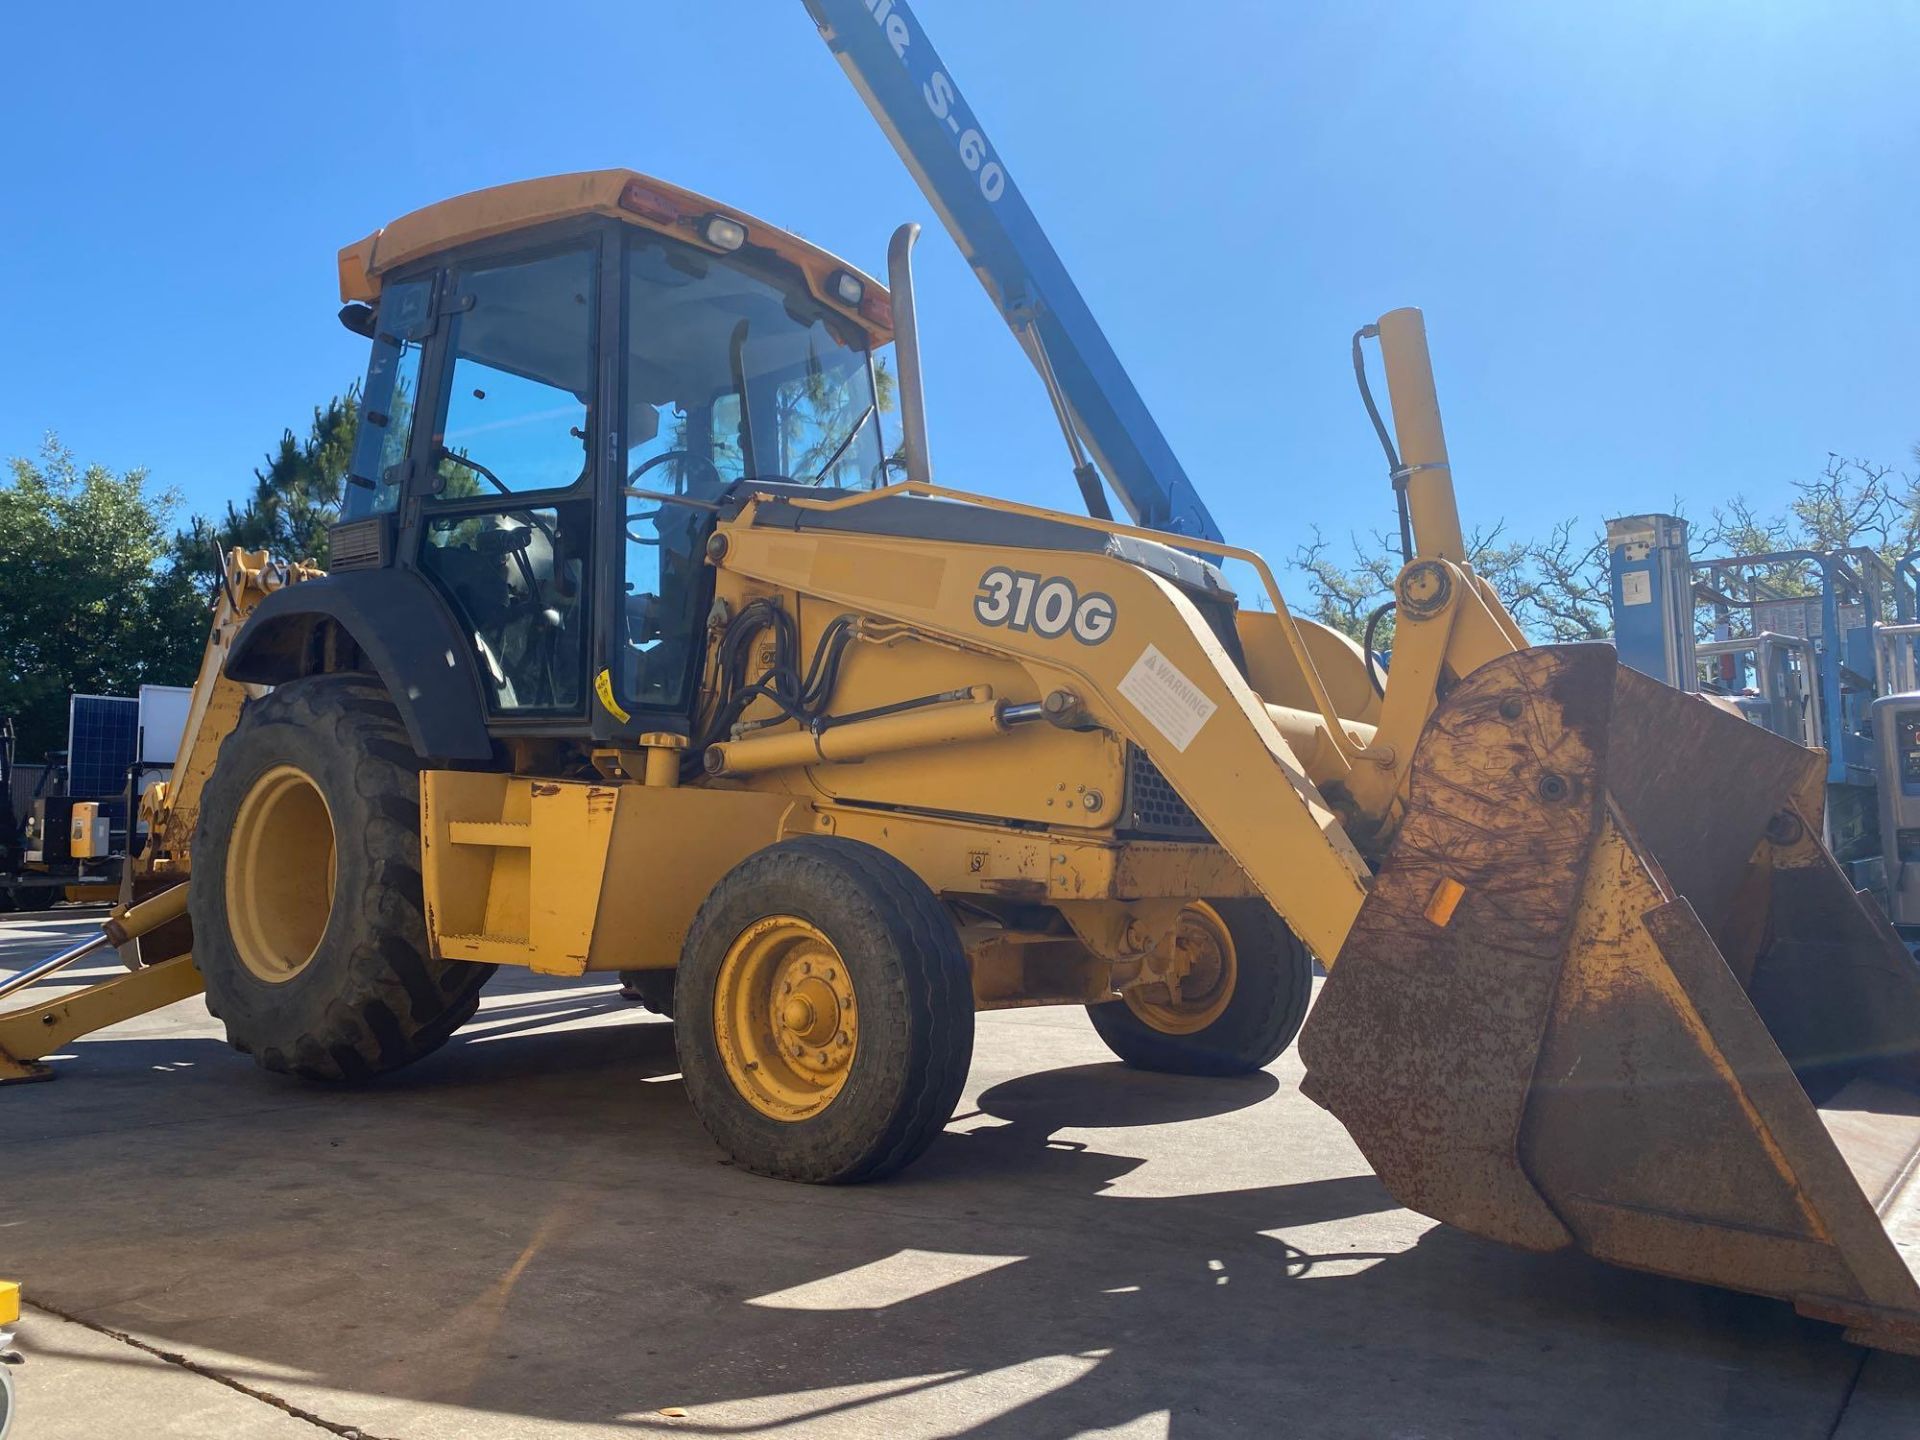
(886, 53)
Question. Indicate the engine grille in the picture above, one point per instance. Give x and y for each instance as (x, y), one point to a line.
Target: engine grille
(1154, 807)
(358, 544)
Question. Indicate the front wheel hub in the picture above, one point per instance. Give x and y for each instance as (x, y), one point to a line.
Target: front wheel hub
(785, 1018)
(1195, 970)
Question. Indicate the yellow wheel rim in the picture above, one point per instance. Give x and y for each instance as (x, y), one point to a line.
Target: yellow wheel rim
(280, 874)
(785, 1018)
(1196, 970)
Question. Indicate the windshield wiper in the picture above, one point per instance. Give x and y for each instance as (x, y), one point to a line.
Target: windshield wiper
(474, 465)
(834, 459)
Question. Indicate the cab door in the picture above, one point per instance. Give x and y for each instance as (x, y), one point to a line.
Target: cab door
(502, 519)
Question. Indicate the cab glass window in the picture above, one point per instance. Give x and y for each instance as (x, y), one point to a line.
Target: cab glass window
(734, 372)
(518, 580)
(387, 401)
(520, 381)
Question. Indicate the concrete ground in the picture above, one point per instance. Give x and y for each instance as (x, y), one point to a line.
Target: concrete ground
(529, 1235)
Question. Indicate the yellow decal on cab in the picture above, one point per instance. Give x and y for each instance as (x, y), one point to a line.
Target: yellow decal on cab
(603, 687)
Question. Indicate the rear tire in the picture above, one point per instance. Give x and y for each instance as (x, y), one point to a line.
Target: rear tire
(1270, 983)
(836, 948)
(315, 953)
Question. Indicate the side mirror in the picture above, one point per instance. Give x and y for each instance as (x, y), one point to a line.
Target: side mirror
(358, 318)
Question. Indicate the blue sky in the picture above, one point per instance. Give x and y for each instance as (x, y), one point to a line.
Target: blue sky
(1665, 247)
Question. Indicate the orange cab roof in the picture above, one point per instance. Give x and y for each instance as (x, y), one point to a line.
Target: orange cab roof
(625, 195)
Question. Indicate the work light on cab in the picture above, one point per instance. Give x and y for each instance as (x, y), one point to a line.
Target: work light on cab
(722, 233)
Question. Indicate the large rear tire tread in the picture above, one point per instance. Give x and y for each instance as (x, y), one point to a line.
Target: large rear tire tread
(913, 986)
(1269, 1004)
(373, 998)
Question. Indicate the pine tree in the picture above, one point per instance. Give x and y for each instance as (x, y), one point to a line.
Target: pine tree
(296, 497)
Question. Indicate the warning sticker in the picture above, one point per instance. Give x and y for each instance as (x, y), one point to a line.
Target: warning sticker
(1171, 703)
(603, 687)
(1636, 587)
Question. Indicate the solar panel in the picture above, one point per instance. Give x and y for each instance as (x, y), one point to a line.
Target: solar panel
(103, 734)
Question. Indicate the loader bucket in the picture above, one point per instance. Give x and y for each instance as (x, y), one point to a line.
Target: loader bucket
(1610, 991)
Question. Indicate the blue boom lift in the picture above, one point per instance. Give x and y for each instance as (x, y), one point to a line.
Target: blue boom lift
(1110, 432)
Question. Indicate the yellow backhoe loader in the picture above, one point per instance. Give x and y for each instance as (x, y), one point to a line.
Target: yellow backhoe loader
(629, 660)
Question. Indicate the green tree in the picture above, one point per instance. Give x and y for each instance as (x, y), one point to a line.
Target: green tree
(296, 497)
(88, 601)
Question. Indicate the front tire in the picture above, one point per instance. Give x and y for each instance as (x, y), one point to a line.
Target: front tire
(1245, 983)
(308, 919)
(824, 1013)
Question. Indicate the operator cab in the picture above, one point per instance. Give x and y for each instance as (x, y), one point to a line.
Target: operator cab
(569, 378)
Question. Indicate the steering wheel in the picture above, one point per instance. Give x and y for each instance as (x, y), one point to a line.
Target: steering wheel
(637, 517)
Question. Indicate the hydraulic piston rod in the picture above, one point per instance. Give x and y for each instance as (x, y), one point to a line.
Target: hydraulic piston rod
(116, 931)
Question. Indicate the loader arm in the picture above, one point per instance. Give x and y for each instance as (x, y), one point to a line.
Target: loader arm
(1159, 676)
(1333, 785)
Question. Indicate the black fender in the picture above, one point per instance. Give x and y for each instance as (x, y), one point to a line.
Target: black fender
(406, 635)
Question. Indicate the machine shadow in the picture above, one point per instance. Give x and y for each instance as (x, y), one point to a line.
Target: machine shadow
(532, 1223)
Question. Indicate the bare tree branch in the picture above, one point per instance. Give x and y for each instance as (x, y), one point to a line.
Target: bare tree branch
(1557, 587)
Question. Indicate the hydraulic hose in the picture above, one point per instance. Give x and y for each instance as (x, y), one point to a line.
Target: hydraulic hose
(1394, 470)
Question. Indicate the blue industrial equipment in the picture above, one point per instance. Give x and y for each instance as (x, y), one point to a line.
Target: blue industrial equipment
(1896, 728)
(1817, 646)
(886, 53)
(1652, 581)
(1850, 607)
(1822, 632)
